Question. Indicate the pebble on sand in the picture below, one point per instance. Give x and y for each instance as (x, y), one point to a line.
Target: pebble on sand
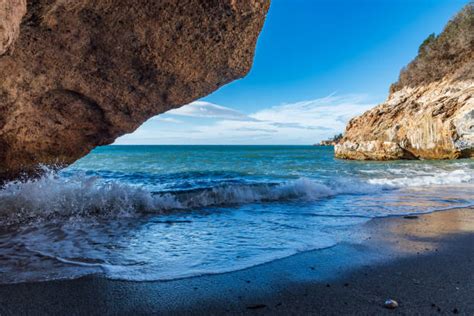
(391, 304)
(256, 306)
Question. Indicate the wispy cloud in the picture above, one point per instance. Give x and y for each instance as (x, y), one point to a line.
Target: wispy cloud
(302, 122)
(331, 112)
(208, 110)
(166, 119)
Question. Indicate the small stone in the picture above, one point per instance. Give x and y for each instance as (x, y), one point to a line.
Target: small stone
(390, 304)
(256, 306)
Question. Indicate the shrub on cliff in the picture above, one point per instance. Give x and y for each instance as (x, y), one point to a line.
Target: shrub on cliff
(450, 51)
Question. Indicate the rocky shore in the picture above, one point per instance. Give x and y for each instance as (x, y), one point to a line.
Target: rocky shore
(429, 113)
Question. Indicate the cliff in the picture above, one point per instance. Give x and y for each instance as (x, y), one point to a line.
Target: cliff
(330, 142)
(76, 74)
(429, 113)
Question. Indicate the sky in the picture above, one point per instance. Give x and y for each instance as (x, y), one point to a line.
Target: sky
(317, 64)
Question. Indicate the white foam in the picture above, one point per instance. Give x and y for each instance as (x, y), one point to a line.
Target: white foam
(301, 189)
(54, 196)
(436, 177)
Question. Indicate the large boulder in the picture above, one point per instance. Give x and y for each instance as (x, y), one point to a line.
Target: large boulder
(76, 74)
(429, 113)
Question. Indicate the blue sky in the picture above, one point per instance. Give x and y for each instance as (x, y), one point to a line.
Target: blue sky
(317, 64)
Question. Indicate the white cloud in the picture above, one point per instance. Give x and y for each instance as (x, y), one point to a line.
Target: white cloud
(331, 112)
(208, 110)
(303, 122)
(166, 119)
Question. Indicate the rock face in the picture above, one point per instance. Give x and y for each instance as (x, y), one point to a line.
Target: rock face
(11, 13)
(76, 74)
(429, 113)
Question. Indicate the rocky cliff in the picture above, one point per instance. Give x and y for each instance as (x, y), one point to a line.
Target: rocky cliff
(76, 74)
(429, 113)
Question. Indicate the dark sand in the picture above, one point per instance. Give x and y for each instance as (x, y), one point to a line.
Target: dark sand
(425, 263)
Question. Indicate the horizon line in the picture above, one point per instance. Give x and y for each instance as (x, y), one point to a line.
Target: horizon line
(214, 145)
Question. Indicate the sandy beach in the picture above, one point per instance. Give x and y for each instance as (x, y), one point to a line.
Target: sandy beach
(425, 263)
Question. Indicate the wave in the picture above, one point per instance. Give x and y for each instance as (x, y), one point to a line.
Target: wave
(302, 189)
(55, 196)
(435, 177)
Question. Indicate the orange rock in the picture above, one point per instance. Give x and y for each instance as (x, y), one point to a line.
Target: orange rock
(430, 111)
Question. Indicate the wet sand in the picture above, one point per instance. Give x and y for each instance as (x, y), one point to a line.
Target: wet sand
(425, 263)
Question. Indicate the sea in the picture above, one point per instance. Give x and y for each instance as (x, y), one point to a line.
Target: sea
(147, 213)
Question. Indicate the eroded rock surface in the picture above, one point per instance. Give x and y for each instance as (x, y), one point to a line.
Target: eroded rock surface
(429, 113)
(80, 73)
(11, 13)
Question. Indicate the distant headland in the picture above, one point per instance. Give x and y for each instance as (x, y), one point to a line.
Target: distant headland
(330, 142)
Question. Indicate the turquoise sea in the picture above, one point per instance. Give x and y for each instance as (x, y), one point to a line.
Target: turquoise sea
(166, 212)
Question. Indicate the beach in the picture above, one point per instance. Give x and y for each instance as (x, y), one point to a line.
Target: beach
(132, 184)
(423, 262)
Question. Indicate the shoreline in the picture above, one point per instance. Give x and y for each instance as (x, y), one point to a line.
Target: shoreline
(425, 263)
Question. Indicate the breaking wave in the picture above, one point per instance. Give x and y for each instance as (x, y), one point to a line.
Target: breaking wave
(55, 196)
